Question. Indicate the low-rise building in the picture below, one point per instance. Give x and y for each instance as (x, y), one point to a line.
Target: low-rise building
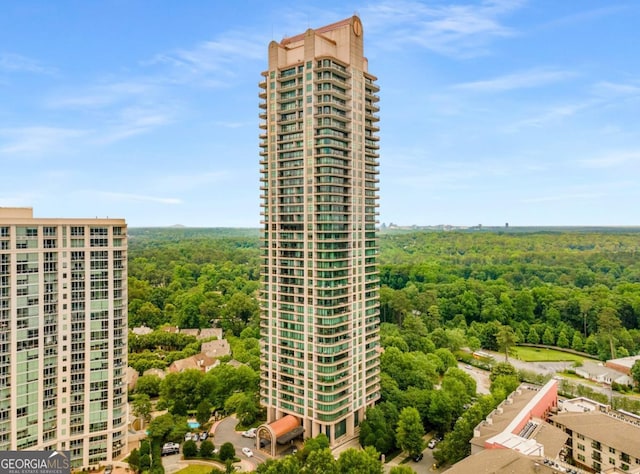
(207, 333)
(602, 374)
(601, 441)
(200, 362)
(623, 364)
(142, 330)
(217, 348)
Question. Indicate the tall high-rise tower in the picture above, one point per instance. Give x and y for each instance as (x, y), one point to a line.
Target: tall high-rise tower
(320, 283)
(63, 334)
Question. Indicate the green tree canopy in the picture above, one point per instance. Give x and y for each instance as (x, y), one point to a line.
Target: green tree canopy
(410, 431)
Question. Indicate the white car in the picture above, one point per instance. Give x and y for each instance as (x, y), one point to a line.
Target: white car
(170, 448)
(247, 452)
(251, 433)
(432, 443)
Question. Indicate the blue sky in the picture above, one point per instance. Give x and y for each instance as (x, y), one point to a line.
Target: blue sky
(498, 111)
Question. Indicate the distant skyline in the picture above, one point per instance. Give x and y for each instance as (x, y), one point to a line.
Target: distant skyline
(498, 111)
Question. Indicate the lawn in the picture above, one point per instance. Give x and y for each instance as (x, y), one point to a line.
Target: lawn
(535, 354)
(196, 469)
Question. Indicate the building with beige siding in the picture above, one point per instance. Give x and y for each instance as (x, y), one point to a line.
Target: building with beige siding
(319, 199)
(601, 441)
(63, 335)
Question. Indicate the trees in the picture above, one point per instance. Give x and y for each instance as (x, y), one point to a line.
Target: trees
(287, 465)
(410, 431)
(141, 406)
(377, 430)
(244, 405)
(635, 373)
(314, 444)
(502, 368)
(441, 413)
(401, 470)
(532, 336)
(206, 449)
(547, 337)
(134, 460)
(353, 461)
(608, 324)
(576, 343)
(149, 385)
(161, 426)
(227, 451)
(506, 339)
(203, 412)
(320, 461)
(190, 449)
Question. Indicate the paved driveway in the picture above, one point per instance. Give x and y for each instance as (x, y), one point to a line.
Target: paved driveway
(225, 433)
(424, 466)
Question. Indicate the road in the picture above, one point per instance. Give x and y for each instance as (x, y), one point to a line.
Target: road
(555, 369)
(424, 466)
(480, 376)
(226, 433)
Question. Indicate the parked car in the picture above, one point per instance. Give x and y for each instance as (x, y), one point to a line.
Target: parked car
(203, 436)
(432, 443)
(247, 452)
(418, 457)
(170, 448)
(251, 433)
(108, 469)
(187, 436)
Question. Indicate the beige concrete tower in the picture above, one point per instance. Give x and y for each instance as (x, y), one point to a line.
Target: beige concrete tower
(320, 283)
(63, 335)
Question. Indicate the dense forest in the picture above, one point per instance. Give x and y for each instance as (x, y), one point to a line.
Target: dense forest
(441, 291)
(571, 289)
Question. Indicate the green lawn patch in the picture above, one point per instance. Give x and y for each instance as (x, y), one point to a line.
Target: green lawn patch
(538, 354)
(196, 469)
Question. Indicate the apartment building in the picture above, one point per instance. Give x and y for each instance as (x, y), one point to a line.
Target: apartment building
(63, 335)
(319, 200)
(602, 440)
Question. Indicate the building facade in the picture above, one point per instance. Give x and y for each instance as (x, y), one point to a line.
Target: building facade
(319, 199)
(63, 335)
(601, 441)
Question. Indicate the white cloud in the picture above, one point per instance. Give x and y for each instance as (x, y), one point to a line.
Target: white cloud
(11, 62)
(133, 121)
(612, 89)
(106, 94)
(521, 80)
(586, 16)
(453, 30)
(550, 115)
(37, 140)
(611, 160)
(211, 63)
